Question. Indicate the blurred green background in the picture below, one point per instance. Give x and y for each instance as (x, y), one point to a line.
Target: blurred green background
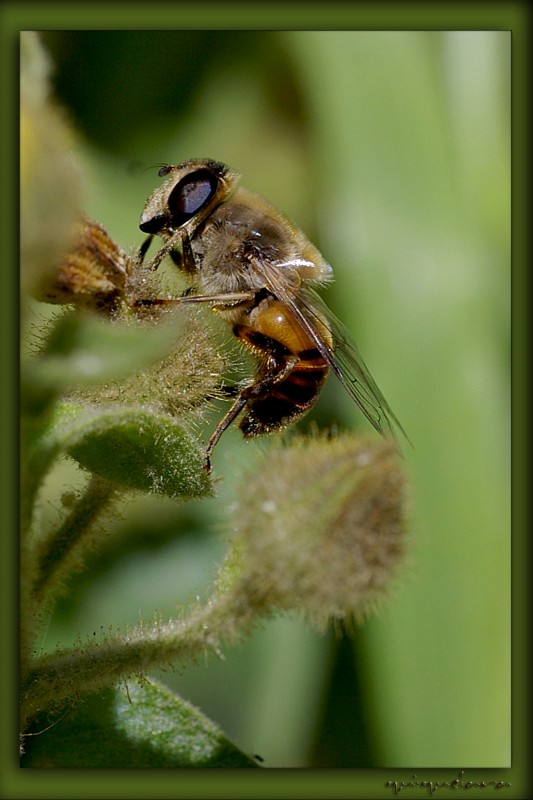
(391, 150)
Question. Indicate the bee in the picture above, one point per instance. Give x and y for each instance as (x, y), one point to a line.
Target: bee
(259, 271)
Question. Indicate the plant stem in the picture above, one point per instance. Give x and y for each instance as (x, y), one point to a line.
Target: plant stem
(76, 534)
(56, 679)
(44, 568)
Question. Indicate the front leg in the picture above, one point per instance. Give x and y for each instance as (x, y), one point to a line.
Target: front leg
(178, 247)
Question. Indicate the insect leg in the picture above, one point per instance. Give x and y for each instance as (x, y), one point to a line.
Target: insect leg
(175, 243)
(178, 247)
(259, 387)
(143, 249)
(266, 382)
(222, 300)
(187, 260)
(223, 425)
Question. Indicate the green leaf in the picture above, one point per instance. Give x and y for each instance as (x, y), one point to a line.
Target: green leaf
(89, 350)
(132, 447)
(144, 451)
(138, 726)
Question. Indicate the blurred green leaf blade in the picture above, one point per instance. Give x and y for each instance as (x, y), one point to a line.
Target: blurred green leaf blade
(86, 349)
(141, 725)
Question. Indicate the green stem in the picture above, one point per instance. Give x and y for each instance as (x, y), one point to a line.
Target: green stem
(36, 460)
(56, 679)
(44, 568)
(59, 552)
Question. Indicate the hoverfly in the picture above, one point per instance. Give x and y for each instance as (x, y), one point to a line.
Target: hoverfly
(257, 270)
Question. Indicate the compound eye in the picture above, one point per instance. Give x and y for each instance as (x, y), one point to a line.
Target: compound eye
(190, 195)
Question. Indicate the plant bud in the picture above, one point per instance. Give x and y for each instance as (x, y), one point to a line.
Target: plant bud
(321, 528)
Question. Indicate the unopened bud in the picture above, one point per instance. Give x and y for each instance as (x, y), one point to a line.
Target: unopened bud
(321, 528)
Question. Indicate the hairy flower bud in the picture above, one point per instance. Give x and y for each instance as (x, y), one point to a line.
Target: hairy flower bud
(321, 528)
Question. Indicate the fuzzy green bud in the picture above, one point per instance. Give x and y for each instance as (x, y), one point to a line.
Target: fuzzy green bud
(321, 529)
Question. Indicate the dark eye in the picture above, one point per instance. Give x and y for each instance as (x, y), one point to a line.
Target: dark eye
(190, 195)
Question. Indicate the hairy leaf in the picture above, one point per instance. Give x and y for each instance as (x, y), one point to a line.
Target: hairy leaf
(137, 726)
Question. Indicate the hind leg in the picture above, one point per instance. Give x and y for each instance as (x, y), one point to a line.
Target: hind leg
(262, 386)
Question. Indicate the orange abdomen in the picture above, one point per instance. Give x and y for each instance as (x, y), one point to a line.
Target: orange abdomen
(278, 339)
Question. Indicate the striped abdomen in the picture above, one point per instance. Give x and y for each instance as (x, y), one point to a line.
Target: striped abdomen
(291, 369)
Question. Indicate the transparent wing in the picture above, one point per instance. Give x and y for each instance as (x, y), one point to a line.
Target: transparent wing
(341, 354)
